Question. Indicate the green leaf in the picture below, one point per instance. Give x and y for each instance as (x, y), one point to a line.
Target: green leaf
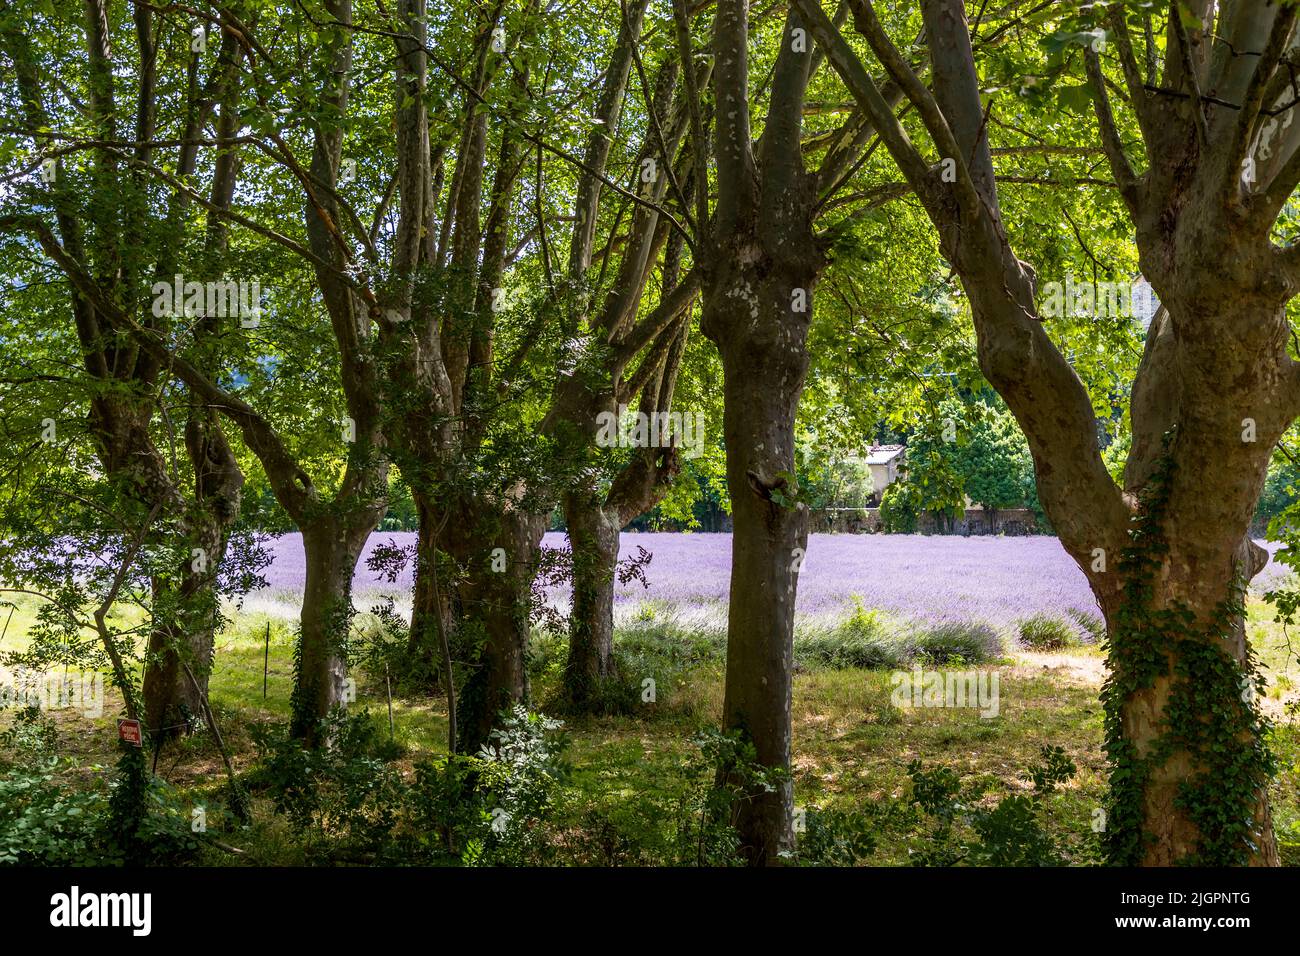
(1076, 99)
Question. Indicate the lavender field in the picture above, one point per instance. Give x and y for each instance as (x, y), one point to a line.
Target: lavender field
(995, 580)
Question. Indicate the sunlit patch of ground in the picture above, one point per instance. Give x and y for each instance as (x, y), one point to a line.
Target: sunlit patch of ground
(1085, 667)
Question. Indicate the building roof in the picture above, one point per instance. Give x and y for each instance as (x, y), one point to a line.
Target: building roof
(883, 454)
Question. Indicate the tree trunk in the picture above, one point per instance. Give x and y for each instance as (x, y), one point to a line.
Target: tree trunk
(1190, 768)
(170, 698)
(594, 528)
(757, 305)
(1198, 670)
(183, 633)
(321, 677)
(429, 602)
(764, 360)
(494, 627)
(171, 702)
(593, 541)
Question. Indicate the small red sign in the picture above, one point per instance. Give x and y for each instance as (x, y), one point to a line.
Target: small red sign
(129, 730)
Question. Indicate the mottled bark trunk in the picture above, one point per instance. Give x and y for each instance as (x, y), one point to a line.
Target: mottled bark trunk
(1170, 834)
(593, 540)
(764, 374)
(1192, 404)
(321, 668)
(493, 629)
(757, 306)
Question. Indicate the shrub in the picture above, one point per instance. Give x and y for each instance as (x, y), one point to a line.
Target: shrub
(863, 640)
(380, 647)
(725, 771)
(42, 823)
(899, 507)
(160, 831)
(484, 809)
(652, 645)
(1011, 833)
(957, 643)
(520, 772)
(834, 837)
(32, 735)
(448, 815)
(1091, 627)
(1043, 632)
(346, 790)
(840, 648)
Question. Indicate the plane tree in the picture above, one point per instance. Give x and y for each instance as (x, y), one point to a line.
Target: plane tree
(1205, 181)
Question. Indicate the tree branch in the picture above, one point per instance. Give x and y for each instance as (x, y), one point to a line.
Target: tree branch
(1129, 185)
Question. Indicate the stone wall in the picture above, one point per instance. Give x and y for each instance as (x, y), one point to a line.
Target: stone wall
(1012, 521)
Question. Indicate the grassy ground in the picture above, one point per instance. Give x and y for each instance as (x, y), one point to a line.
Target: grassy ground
(852, 746)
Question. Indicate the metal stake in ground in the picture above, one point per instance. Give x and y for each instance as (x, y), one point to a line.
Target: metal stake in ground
(266, 658)
(389, 684)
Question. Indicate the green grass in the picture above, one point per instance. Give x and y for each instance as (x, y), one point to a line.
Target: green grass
(851, 745)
